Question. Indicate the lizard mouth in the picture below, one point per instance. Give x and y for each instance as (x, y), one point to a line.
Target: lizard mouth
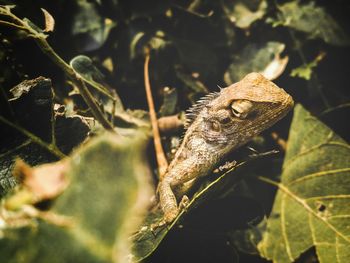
(288, 103)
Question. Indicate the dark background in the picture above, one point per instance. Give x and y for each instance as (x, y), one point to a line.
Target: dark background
(192, 42)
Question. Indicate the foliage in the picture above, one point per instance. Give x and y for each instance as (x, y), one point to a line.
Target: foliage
(70, 191)
(312, 20)
(107, 186)
(313, 196)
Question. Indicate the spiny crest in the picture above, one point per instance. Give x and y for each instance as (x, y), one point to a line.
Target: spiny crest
(192, 113)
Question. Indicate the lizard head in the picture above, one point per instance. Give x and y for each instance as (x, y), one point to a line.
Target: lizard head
(241, 111)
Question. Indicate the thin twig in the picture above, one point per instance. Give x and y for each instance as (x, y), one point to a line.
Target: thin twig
(170, 123)
(40, 39)
(15, 149)
(83, 90)
(161, 160)
(53, 124)
(268, 180)
(50, 147)
(5, 23)
(341, 106)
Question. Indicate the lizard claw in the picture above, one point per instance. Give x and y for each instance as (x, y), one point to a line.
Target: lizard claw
(156, 225)
(225, 167)
(184, 203)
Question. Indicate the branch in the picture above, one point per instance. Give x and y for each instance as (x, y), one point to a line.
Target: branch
(161, 160)
(52, 148)
(40, 39)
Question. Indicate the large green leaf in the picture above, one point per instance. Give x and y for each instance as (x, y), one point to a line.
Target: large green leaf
(312, 207)
(106, 196)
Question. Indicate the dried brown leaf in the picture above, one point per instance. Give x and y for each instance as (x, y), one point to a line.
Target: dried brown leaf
(45, 181)
(49, 21)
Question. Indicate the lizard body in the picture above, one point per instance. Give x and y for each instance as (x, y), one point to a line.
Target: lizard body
(218, 124)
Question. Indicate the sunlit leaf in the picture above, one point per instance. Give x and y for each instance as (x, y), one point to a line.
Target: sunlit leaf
(264, 59)
(243, 13)
(313, 20)
(312, 206)
(305, 71)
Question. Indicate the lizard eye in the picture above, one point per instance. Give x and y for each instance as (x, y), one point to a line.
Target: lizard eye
(241, 108)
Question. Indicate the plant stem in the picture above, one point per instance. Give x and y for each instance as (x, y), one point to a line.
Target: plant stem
(50, 147)
(269, 181)
(17, 148)
(40, 39)
(5, 23)
(161, 160)
(85, 93)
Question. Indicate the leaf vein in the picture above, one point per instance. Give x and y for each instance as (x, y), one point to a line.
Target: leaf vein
(301, 201)
(312, 229)
(311, 149)
(328, 197)
(283, 228)
(336, 249)
(338, 216)
(318, 174)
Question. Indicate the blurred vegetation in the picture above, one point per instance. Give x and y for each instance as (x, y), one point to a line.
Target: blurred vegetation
(77, 163)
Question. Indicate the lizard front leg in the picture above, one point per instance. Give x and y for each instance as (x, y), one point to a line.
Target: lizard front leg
(167, 200)
(171, 187)
(166, 190)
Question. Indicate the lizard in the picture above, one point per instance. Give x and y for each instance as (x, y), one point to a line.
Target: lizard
(216, 125)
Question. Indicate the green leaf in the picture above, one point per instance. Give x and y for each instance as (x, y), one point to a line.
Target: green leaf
(169, 102)
(313, 20)
(257, 58)
(141, 41)
(312, 206)
(107, 194)
(243, 13)
(33, 26)
(91, 28)
(84, 67)
(195, 88)
(305, 71)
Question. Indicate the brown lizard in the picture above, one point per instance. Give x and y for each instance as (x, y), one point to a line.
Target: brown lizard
(218, 124)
